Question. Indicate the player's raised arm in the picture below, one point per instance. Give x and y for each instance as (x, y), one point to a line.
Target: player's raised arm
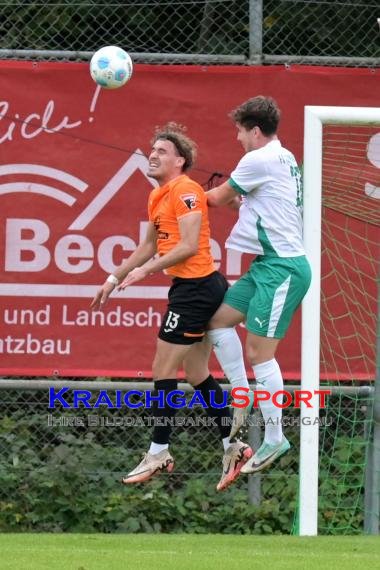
(223, 195)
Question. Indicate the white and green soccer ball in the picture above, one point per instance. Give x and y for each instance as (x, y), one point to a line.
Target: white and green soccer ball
(111, 67)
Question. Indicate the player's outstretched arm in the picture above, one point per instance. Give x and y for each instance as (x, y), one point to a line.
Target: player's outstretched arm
(141, 255)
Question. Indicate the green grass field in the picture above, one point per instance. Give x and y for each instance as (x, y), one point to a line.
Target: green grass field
(186, 552)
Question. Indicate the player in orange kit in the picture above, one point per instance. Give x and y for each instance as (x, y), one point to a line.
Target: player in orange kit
(179, 231)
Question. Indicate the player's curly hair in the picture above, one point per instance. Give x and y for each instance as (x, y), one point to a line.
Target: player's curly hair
(175, 133)
(260, 111)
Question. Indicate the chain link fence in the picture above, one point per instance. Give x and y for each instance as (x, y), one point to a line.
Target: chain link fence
(323, 32)
(60, 469)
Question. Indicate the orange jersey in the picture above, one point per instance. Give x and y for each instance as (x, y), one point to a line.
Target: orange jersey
(167, 205)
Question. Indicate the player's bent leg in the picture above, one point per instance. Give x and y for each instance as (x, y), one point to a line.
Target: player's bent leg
(261, 353)
(281, 284)
(167, 360)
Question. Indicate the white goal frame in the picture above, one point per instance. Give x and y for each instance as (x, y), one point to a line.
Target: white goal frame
(315, 118)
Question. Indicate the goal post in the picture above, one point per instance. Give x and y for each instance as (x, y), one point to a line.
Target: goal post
(314, 119)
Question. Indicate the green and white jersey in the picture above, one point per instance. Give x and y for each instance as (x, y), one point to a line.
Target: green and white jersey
(270, 216)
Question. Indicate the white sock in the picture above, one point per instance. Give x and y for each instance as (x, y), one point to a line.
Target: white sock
(229, 352)
(226, 442)
(157, 447)
(268, 377)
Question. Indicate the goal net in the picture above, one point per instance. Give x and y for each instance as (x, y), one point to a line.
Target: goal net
(339, 490)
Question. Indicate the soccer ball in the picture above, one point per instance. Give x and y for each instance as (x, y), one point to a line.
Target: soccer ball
(111, 67)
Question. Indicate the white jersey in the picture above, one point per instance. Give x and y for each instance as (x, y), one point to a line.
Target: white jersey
(270, 216)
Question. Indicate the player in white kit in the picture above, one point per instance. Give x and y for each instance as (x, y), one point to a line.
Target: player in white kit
(265, 298)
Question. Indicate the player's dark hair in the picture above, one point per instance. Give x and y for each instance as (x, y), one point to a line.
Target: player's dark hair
(185, 147)
(260, 111)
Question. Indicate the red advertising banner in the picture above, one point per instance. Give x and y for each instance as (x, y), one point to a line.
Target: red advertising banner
(74, 190)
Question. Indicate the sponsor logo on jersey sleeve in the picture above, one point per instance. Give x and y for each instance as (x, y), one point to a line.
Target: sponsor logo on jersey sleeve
(189, 200)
